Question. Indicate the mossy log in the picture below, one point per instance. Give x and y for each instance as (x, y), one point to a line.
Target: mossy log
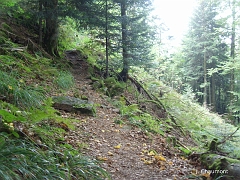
(221, 167)
(74, 105)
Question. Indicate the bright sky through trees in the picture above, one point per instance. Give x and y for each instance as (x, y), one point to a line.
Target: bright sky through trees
(176, 15)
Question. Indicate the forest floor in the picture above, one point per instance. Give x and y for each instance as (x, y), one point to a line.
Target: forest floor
(126, 152)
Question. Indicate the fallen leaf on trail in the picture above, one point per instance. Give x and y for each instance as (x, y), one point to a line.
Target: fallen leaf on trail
(110, 153)
(100, 158)
(181, 173)
(147, 162)
(103, 130)
(170, 163)
(183, 158)
(151, 153)
(159, 158)
(162, 168)
(63, 126)
(96, 140)
(118, 146)
(84, 120)
(194, 171)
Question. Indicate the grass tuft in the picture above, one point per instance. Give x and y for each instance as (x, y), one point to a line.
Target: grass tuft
(21, 159)
(64, 80)
(16, 92)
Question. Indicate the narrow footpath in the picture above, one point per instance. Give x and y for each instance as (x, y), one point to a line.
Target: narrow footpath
(126, 152)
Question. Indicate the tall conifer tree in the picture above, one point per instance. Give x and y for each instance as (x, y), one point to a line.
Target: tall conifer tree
(136, 34)
(205, 49)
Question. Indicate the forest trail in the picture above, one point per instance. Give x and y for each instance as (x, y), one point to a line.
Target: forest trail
(125, 151)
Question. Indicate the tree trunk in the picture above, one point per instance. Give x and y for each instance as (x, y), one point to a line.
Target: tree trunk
(124, 72)
(232, 54)
(205, 79)
(213, 93)
(51, 34)
(106, 34)
(40, 33)
(210, 93)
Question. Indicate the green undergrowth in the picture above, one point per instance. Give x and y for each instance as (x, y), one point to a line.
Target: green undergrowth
(47, 125)
(36, 138)
(26, 77)
(109, 86)
(64, 80)
(131, 114)
(71, 37)
(15, 91)
(32, 132)
(202, 124)
(35, 122)
(93, 51)
(21, 159)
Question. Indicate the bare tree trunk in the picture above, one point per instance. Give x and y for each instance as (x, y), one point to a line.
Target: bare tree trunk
(213, 92)
(40, 33)
(125, 69)
(106, 34)
(209, 93)
(51, 34)
(232, 54)
(205, 79)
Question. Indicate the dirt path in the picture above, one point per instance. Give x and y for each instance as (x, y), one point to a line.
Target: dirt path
(126, 152)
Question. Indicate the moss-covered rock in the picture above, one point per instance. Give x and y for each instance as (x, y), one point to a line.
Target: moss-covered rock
(74, 105)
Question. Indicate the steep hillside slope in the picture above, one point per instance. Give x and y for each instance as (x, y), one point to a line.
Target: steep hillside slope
(130, 135)
(127, 152)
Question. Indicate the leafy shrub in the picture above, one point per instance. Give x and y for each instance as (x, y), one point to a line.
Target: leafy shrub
(64, 80)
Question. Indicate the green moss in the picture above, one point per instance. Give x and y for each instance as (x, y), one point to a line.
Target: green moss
(213, 159)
